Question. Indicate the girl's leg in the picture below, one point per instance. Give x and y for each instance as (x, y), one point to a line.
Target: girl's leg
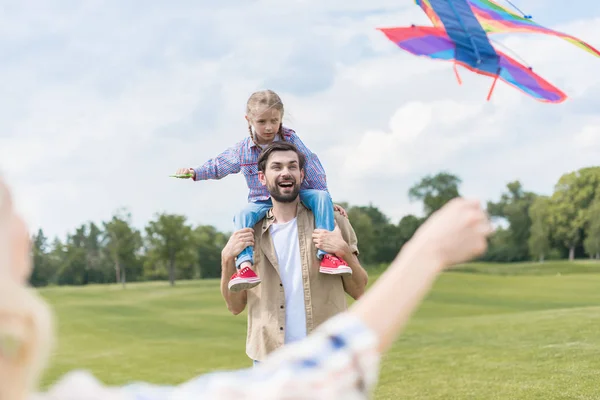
(319, 201)
(247, 218)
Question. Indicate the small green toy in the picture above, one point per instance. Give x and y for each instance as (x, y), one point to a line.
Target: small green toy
(182, 176)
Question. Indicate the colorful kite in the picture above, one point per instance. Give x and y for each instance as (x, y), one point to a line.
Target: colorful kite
(460, 34)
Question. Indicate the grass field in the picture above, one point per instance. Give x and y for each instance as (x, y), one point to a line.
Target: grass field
(482, 333)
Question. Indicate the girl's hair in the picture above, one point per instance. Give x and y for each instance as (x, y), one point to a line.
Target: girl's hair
(26, 322)
(27, 338)
(269, 99)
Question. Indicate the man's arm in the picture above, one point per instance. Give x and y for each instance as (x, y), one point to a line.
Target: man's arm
(239, 240)
(355, 284)
(343, 243)
(236, 301)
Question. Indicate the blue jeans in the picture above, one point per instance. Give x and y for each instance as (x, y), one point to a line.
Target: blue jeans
(318, 201)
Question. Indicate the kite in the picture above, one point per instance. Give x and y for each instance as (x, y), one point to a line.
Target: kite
(460, 34)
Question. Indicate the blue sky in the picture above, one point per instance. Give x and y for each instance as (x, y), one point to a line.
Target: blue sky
(102, 100)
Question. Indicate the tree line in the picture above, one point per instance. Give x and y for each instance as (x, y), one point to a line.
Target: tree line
(538, 227)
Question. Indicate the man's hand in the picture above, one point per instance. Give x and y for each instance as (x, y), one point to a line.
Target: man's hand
(340, 209)
(331, 242)
(185, 171)
(238, 241)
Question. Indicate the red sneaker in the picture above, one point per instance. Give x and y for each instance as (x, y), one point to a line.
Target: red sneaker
(334, 265)
(243, 279)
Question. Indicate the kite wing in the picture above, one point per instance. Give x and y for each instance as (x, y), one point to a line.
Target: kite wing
(524, 79)
(497, 19)
(433, 17)
(473, 47)
(435, 43)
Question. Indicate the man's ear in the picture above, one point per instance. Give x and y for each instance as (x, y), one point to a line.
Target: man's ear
(302, 175)
(261, 178)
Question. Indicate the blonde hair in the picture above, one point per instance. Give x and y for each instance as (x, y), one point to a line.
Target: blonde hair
(26, 328)
(268, 99)
(26, 338)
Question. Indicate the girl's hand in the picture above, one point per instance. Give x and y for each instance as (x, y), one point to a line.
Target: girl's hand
(186, 171)
(337, 207)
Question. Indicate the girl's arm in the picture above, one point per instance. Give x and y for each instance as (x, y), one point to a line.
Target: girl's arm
(228, 162)
(314, 173)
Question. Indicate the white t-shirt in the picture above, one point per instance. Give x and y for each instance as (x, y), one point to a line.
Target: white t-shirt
(287, 248)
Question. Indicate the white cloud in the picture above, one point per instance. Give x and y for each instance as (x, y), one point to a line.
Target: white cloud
(589, 137)
(105, 101)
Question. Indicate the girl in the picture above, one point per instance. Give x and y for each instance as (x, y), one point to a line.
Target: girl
(264, 113)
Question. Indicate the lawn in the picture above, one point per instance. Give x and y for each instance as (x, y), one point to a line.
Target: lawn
(485, 332)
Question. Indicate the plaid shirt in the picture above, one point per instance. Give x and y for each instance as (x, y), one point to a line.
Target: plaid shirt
(338, 361)
(243, 156)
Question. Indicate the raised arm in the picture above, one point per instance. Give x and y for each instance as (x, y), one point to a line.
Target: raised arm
(349, 345)
(226, 163)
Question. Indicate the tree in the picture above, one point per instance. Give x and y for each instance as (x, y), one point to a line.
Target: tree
(209, 243)
(365, 233)
(501, 247)
(592, 241)
(514, 207)
(122, 242)
(170, 242)
(435, 191)
(73, 268)
(42, 268)
(96, 265)
(385, 240)
(407, 227)
(573, 195)
(539, 240)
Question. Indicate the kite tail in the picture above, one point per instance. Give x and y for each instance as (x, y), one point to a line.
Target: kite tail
(457, 75)
(493, 85)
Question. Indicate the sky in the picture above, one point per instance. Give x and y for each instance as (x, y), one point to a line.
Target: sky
(102, 100)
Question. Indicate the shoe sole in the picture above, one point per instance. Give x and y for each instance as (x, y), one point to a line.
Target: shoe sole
(336, 271)
(245, 284)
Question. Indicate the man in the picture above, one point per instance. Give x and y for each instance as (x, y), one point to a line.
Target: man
(340, 360)
(293, 297)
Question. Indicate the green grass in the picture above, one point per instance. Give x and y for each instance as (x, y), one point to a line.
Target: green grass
(527, 334)
(533, 268)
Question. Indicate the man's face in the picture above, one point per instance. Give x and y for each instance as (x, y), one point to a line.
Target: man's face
(282, 176)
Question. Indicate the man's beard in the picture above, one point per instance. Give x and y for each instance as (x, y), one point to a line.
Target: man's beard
(275, 191)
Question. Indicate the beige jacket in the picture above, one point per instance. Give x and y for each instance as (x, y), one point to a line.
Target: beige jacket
(324, 295)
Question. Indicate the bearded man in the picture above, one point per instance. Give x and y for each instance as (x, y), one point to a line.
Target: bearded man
(293, 297)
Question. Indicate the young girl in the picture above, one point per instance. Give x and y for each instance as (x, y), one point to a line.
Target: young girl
(264, 113)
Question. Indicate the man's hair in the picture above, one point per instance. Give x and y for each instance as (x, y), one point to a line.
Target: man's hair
(279, 146)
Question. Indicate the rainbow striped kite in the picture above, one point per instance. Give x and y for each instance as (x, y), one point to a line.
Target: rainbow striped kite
(460, 34)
